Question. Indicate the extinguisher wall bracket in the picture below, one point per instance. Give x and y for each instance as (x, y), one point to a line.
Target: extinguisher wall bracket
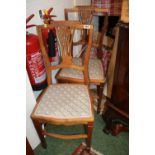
(28, 26)
(28, 19)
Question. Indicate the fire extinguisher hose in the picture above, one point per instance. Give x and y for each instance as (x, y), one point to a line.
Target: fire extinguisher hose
(51, 44)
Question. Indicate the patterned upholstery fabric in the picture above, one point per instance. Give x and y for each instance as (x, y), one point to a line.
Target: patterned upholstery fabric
(95, 70)
(65, 101)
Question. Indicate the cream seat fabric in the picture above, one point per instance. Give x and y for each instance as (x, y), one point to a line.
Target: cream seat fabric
(65, 101)
(95, 70)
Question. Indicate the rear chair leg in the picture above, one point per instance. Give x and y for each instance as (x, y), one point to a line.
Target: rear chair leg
(38, 127)
(89, 132)
(100, 95)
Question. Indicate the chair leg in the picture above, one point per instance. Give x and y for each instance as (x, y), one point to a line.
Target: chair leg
(38, 127)
(100, 95)
(99, 53)
(89, 132)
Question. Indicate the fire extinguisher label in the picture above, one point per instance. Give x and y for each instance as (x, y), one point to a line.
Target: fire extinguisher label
(37, 68)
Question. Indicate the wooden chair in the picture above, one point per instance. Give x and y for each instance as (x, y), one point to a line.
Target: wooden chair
(85, 16)
(64, 104)
(96, 73)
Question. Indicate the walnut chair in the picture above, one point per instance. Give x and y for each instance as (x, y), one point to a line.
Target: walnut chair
(64, 104)
(95, 69)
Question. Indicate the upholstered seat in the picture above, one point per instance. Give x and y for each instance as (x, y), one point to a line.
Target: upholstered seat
(95, 70)
(65, 101)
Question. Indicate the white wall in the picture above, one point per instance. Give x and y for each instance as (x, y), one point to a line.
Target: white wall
(30, 103)
(82, 2)
(33, 7)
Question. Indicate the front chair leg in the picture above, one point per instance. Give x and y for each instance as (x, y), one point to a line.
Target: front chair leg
(38, 127)
(89, 132)
(100, 95)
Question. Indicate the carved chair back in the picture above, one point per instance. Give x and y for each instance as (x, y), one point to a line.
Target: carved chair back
(85, 16)
(65, 32)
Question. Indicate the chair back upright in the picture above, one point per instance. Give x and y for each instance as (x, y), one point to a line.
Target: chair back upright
(65, 32)
(112, 64)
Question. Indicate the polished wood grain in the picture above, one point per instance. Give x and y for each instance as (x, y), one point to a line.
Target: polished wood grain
(125, 11)
(120, 90)
(111, 68)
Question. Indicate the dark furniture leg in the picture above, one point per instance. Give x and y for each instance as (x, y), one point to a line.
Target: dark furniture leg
(100, 95)
(29, 150)
(38, 127)
(89, 132)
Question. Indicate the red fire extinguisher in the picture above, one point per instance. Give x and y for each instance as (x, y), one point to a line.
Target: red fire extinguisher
(34, 61)
(49, 35)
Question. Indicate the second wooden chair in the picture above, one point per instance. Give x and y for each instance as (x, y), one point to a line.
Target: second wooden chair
(95, 69)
